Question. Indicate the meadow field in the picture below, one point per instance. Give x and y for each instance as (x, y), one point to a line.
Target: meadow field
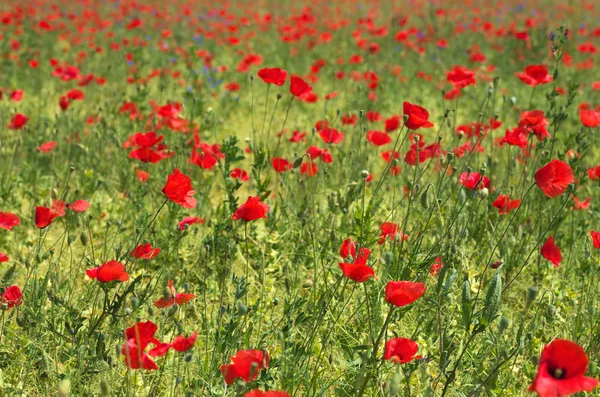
(299, 198)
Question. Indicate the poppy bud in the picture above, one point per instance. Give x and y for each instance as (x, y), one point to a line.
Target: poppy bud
(504, 323)
(405, 117)
(337, 112)
(497, 264)
(188, 357)
(513, 100)
(483, 193)
(450, 156)
(469, 170)
(364, 174)
(550, 312)
(166, 293)
(243, 309)
(361, 113)
(571, 188)
(531, 294)
(186, 287)
(395, 384)
(173, 309)
(279, 96)
(83, 238)
(135, 302)
(275, 301)
(490, 92)
(297, 163)
(70, 239)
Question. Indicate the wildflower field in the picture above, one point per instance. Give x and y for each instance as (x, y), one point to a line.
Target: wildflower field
(299, 198)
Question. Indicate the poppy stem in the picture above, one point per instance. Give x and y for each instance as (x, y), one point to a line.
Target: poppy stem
(262, 130)
(287, 112)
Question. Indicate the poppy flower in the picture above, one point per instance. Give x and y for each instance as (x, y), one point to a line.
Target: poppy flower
(461, 77)
(402, 293)
(189, 220)
(416, 116)
(581, 205)
(12, 297)
(145, 251)
(348, 248)
(179, 298)
(474, 180)
(79, 206)
(47, 147)
(8, 220)
(391, 230)
(251, 210)
(535, 75)
(273, 76)
(515, 137)
(551, 252)
(436, 267)
(554, 178)
(138, 337)
(246, 364)
(44, 217)
(179, 189)
(238, 173)
(181, 343)
(536, 122)
(16, 95)
(589, 117)
(561, 370)
(331, 135)
(298, 136)
(3, 257)
(270, 393)
(392, 124)
(299, 87)
(358, 270)
(592, 173)
(595, 238)
(18, 121)
(107, 272)
(401, 350)
(309, 169)
(378, 138)
(142, 176)
(505, 204)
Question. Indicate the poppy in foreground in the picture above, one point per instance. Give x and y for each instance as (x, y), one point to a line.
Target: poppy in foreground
(246, 364)
(554, 178)
(44, 217)
(505, 204)
(179, 189)
(110, 271)
(145, 251)
(299, 87)
(401, 350)
(562, 366)
(595, 238)
(251, 210)
(402, 293)
(535, 75)
(358, 270)
(273, 76)
(138, 337)
(189, 220)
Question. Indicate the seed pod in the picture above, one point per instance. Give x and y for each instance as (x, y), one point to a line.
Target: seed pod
(531, 294)
(466, 303)
(504, 323)
(173, 309)
(83, 238)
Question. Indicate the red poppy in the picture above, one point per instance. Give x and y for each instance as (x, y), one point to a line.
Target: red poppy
(331, 135)
(515, 137)
(47, 147)
(474, 180)
(592, 173)
(298, 136)
(424, 152)
(299, 87)
(551, 252)
(309, 169)
(314, 152)
(505, 204)
(181, 343)
(595, 238)
(107, 272)
(401, 350)
(8, 220)
(581, 205)
(589, 117)
(358, 270)
(145, 251)
(270, 393)
(536, 122)
(348, 248)
(179, 189)
(251, 210)
(18, 121)
(273, 76)
(189, 220)
(378, 138)
(391, 230)
(561, 370)
(461, 77)
(3, 257)
(392, 124)
(554, 178)
(138, 337)
(12, 297)
(534, 75)
(402, 293)
(246, 364)
(44, 217)
(416, 116)
(16, 95)
(142, 176)
(80, 206)
(179, 298)
(436, 267)
(238, 173)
